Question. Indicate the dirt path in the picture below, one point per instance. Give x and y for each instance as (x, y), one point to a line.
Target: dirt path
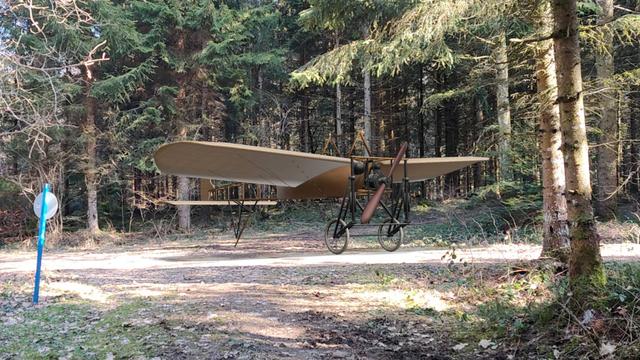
(265, 300)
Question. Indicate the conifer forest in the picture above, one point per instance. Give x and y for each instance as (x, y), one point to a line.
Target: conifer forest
(531, 254)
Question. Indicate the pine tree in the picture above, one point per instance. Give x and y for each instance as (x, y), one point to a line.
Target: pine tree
(607, 152)
(586, 272)
(554, 206)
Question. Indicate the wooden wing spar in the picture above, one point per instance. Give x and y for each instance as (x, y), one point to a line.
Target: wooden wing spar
(297, 175)
(221, 202)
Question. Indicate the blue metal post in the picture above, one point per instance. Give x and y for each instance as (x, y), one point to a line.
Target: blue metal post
(42, 226)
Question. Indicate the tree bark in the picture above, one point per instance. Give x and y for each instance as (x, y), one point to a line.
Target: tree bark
(503, 108)
(367, 110)
(437, 150)
(303, 125)
(586, 272)
(265, 137)
(184, 211)
(477, 128)
(451, 138)
(90, 166)
(421, 127)
(339, 136)
(554, 206)
(634, 149)
(367, 102)
(607, 151)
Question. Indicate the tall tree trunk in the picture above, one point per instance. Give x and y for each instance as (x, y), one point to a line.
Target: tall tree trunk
(303, 125)
(451, 137)
(184, 211)
(354, 120)
(90, 166)
(607, 151)
(586, 272)
(477, 128)
(634, 148)
(303, 129)
(367, 101)
(339, 136)
(437, 151)
(421, 142)
(264, 138)
(367, 110)
(555, 229)
(503, 108)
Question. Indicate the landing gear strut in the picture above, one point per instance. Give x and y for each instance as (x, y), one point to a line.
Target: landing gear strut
(391, 230)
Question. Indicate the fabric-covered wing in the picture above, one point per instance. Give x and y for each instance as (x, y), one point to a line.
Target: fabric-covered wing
(243, 163)
(419, 169)
(333, 183)
(222, 202)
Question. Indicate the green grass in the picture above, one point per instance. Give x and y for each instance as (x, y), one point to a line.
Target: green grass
(79, 330)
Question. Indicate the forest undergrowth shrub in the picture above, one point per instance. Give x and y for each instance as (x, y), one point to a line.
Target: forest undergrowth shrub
(531, 306)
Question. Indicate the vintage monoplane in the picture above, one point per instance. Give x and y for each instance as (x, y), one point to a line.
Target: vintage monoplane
(363, 183)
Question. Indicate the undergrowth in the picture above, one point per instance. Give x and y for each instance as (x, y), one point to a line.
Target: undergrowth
(528, 312)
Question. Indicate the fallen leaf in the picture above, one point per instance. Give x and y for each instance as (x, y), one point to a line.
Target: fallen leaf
(459, 346)
(588, 317)
(607, 349)
(340, 354)
(484, 343)
(10, 321)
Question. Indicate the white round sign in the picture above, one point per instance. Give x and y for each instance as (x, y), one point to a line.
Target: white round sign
(52, 205)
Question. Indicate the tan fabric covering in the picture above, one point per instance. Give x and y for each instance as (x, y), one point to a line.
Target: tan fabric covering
(222, 202)
(334, 183)
(298, 175)
(419, 169)
(331, 184)
(243, 163)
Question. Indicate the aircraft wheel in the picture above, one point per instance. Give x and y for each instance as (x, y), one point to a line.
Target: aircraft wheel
(336, 245)
(390, 242)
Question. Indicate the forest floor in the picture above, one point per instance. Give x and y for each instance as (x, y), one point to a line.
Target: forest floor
(276, 297)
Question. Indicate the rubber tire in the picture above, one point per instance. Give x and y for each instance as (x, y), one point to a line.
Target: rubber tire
(382, 236)
(327, 237)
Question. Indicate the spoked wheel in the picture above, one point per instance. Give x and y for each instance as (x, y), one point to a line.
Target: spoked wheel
(388, 239)
(336, 245)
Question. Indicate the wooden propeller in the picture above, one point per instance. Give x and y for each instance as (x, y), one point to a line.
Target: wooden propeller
(370, 209)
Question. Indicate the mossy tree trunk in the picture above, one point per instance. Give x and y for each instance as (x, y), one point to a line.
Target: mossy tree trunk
(607, 151)
(556, 231)
(586, 272)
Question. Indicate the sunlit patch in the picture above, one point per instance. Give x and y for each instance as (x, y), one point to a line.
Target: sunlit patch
(256, 324)
(424, 299)
(84, 291)
(146, 292)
